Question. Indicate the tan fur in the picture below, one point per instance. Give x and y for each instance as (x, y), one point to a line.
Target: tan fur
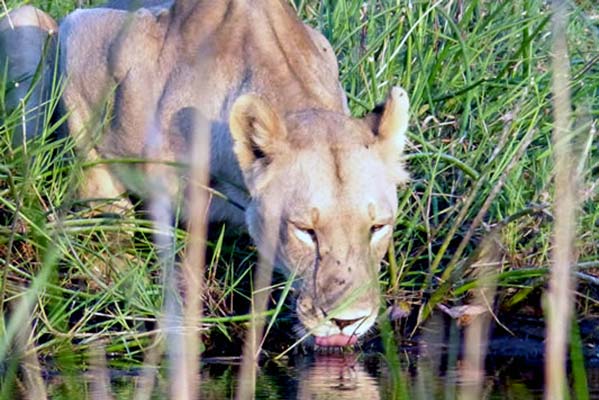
(279, 126)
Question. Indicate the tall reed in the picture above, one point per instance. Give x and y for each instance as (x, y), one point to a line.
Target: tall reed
(565, 205)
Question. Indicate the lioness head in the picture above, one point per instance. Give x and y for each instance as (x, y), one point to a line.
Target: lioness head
(326, 183)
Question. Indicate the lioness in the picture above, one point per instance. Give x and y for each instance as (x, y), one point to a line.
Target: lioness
(279, 127)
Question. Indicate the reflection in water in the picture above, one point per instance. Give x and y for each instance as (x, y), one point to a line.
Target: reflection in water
(430, 370)
(336, 376)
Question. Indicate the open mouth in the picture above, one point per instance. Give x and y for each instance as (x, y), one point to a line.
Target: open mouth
(338, 340)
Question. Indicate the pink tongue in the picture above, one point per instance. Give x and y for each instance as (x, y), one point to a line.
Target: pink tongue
(336, 340)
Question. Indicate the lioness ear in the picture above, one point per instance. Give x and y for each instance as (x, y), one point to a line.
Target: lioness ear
(389, 124)
(257, 130)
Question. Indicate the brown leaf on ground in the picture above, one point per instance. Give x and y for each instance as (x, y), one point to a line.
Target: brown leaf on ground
(464, 314)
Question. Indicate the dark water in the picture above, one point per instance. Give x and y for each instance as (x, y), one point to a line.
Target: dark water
(431, 367)
(425, 372)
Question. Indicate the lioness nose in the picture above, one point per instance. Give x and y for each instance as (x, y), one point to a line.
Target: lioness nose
(342, 323)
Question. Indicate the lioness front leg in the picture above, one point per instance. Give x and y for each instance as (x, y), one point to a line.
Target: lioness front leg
(100, 187)
(105, 195)
(103, 192)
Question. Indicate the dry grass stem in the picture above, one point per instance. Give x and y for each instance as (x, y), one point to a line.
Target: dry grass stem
(161, 211)
(34, 383)
(194, 262)
(477, 332)
(246, 388)
(144, 383)
(98, 373)
(559, 301)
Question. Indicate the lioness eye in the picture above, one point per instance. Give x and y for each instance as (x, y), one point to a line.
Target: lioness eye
(306, 235)
(378, 231)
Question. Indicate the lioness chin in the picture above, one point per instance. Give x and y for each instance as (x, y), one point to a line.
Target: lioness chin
(267, 86)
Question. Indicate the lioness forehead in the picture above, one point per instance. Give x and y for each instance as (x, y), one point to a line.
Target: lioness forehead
(340, 181)
(319, 128)
(338, 166)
